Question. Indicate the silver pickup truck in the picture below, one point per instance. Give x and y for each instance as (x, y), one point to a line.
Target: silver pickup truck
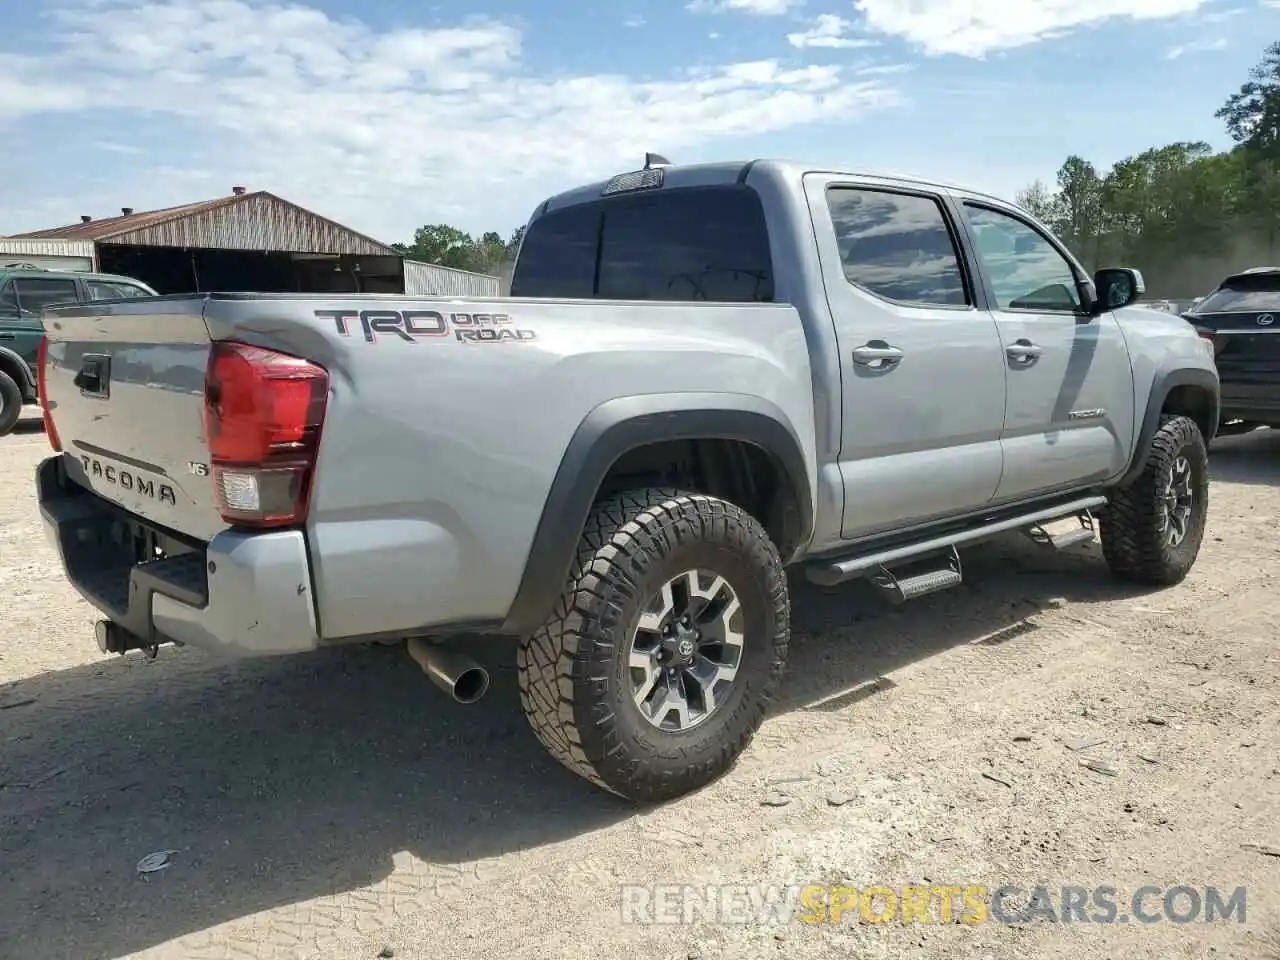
(703, 375)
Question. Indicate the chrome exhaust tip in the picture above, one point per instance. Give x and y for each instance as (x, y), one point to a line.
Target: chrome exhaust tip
(453, 672)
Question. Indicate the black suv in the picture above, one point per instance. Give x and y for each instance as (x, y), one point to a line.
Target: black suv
(1242, 319)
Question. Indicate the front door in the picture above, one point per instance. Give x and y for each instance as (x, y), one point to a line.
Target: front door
(1070, 408)
(921, 364)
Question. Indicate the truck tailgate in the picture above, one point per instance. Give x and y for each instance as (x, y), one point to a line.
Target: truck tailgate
(125, 386)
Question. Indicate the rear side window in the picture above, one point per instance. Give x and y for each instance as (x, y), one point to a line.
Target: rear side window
(897, 245)
(103, 290)
(8, 299)
(36, 294)
(704, 243)
(1245, 295)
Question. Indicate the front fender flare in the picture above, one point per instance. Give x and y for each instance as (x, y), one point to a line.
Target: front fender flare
(611, 430)
(1163, 385)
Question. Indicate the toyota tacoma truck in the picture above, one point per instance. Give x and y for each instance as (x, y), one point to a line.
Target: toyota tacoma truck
(703, 375)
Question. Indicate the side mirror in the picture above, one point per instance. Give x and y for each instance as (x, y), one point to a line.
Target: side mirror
(1118, 287)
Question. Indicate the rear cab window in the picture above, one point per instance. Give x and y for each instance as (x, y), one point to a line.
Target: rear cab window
(705, 243)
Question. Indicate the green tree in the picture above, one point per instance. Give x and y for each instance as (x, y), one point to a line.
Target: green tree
(1039, 201)
(442, 244)
(1252, 114)
(1183, 214)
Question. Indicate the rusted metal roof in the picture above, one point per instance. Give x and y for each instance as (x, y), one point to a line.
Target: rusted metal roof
(258, 221)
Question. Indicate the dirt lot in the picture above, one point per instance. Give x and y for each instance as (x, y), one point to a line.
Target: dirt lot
(331, 806)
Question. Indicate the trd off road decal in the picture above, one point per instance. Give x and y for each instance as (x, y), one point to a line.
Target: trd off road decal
(415, 325)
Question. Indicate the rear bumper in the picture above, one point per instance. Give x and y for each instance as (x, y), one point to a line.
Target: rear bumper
(1259, 402)
(244, 594)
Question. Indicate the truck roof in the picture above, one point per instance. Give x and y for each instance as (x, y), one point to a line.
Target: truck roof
(19, 269)
(726, 171)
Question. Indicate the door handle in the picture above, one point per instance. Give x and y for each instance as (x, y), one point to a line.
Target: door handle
(1023, 352)
(8, 336)
(877, 354)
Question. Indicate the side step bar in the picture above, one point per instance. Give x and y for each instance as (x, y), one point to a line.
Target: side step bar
(832, 572)
(901, 589)
(1064, 541)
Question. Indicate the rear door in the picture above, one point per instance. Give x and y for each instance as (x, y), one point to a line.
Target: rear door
(921, 364)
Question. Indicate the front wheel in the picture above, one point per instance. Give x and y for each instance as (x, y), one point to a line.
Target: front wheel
(1152, 529)
(660, 660)
(10, 403)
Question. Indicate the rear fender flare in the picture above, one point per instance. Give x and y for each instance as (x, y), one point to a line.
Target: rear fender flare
(1163, 385)
(618, 426)
(17, 368)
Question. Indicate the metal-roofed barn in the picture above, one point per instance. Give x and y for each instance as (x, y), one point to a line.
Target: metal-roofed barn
(250, 241)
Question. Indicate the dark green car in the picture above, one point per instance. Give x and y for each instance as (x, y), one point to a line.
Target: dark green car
(24, 292)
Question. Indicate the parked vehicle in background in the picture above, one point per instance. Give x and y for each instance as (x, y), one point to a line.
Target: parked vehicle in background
(702, 375)
(1241, 318)
(25, 290)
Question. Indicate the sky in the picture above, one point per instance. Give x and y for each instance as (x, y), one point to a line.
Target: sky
(390, 114)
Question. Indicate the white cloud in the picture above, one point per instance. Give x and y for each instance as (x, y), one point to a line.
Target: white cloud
(829, 31)
(1197, 46)
(1221, 16)
(635, 20)
(386, 130)
(973, 29)
(884, 69)
(759, 8)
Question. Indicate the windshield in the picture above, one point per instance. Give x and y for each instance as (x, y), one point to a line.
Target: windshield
(1244, 295)
(701, 243)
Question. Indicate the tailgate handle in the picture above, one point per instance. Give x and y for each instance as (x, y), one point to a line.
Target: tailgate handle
(94, 378)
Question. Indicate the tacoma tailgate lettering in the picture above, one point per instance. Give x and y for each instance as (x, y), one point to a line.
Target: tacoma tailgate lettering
(127, 480)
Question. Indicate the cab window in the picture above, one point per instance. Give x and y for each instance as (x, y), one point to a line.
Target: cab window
(114, 290)
(36, 293)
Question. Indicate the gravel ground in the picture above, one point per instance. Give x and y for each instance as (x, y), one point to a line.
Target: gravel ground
(338, 806)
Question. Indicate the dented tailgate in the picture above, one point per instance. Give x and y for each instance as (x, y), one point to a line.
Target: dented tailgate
(125, 386)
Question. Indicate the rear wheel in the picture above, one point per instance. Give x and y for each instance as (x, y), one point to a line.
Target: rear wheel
(662, 656)
(1152, 529)
(10, 403)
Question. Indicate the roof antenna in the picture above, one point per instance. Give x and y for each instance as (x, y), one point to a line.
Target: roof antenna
(652, 160)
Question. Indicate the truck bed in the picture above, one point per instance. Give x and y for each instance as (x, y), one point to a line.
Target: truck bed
(446, 424)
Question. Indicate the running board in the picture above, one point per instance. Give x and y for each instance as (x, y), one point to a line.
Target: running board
(831, 572)
(902, 589)
(1064, 541)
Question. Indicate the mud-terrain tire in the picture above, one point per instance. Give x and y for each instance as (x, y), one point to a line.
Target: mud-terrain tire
(10, 404)
(1141, 524)
(639, 553)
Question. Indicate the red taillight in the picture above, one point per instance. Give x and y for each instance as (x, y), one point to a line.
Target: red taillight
(42, 358)
(263, 411)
